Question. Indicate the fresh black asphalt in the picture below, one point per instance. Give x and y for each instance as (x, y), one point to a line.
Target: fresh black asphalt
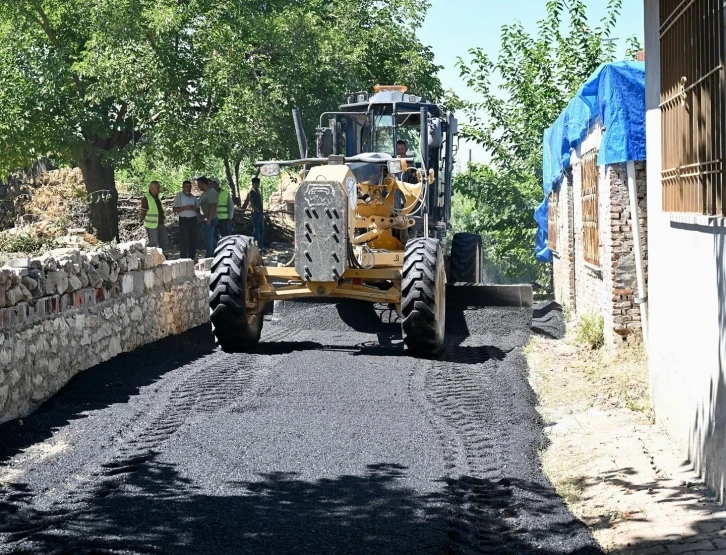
(326, 439)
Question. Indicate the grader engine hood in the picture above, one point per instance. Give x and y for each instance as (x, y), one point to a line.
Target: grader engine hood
(324, 216)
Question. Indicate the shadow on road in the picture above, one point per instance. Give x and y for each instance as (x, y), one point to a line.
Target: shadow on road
(477, 354)
(111, 382)
(154, 508)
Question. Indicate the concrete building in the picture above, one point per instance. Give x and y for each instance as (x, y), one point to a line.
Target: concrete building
(686, 138)
(591, 232)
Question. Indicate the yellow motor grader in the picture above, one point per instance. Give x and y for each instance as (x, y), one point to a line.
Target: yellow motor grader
(371, 212)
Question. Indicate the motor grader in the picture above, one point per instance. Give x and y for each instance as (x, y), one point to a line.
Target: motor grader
(371, 221)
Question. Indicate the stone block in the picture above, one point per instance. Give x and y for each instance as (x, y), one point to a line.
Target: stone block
(188, 266)
(132, 262)
(204, 265)
(21, 313)
(94, 278)
(167, 273)
(30, 283)
(39, 309)
(74, 283)
(2, 296)
(127, 284)
(52, 305)
(148, 280)
(14, 295)
(139, 282)
(56, 282)
(158, 277)
(18, 263)
(66, 302)
(158, 255)
(104, 270)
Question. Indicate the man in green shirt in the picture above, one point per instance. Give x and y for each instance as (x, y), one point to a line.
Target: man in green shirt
(208, 204)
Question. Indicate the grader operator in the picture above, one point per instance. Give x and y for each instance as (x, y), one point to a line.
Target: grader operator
(370, 224)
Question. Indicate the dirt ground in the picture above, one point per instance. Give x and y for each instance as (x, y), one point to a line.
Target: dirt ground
(618, 472)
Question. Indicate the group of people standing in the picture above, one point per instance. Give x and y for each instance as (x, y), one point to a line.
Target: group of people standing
(212, 211)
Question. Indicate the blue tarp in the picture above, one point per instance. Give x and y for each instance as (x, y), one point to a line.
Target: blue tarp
(614, 95)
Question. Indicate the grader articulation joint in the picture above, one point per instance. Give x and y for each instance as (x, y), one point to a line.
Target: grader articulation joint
(370, 224)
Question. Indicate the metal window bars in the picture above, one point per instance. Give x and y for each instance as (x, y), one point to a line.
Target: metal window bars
(692, 106)
(590, 199)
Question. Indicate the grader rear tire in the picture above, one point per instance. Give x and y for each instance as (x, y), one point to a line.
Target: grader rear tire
(423, 292)
(466, 258)
(235, 329)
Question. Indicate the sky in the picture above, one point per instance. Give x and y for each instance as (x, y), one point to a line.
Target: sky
(452, 27)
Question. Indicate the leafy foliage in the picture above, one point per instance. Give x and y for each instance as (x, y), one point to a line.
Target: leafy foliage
(93, 83)
(539, 74)
(590, 331)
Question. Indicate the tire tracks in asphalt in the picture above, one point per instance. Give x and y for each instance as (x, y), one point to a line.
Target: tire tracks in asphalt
(223, 382)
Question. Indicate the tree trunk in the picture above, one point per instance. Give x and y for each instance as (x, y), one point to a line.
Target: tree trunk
(102, 197)
(230, 177)
(236, 175)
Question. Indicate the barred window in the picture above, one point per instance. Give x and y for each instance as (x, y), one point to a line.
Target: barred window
(552, 221)
(692, 106)
(591, 228)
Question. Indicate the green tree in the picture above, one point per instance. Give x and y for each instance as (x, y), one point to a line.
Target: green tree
(304, 56)
(92, 82)
(539, 74)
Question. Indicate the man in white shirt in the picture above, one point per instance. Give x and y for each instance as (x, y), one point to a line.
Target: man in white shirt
(186, 206)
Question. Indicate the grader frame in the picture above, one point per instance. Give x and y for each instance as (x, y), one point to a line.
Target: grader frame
(370, 225)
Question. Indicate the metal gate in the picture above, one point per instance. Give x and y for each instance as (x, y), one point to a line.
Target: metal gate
(692, 105)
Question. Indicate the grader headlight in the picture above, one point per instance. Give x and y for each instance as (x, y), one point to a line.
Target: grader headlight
(395, 166)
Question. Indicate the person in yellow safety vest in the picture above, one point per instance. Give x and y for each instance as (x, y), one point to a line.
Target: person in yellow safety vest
(225, 210)
(152, 214)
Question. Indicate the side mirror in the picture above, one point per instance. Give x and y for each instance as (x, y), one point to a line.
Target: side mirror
(270, 170)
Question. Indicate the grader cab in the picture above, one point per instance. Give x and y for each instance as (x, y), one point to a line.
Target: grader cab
(372, 212)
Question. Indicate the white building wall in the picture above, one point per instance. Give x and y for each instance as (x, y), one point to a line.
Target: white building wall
(687, 305)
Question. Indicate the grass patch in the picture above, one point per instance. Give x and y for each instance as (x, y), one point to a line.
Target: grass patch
(590, 331)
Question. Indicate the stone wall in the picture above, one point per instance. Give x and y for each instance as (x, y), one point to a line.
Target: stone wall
(68, 310)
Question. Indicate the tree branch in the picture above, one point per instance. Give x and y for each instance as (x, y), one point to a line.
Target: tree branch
(120, 117)
(43, 21)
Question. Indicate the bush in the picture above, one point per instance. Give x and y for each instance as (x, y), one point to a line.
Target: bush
(27, 243)
(590, 331)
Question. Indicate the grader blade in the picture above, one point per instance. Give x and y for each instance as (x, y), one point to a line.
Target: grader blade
(471, 295)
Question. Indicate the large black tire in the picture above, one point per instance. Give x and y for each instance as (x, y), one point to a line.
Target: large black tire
(423, 297)
(465, 264)
(235, 329)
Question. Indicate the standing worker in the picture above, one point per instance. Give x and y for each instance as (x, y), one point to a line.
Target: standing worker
(152, 214)
(254, 198)
(225, 211)
(186, 205)
(208, 205)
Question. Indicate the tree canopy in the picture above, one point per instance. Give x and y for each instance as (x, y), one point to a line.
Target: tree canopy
(92, 82)
(539, 74)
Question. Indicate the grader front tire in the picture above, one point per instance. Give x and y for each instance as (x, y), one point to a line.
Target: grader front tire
(423, 292)
(235, 329)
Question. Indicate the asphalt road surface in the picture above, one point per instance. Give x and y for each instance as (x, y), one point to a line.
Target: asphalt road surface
(327, 439)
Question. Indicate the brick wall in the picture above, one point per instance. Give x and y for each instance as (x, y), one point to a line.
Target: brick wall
(610, 287)
(627, 326)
